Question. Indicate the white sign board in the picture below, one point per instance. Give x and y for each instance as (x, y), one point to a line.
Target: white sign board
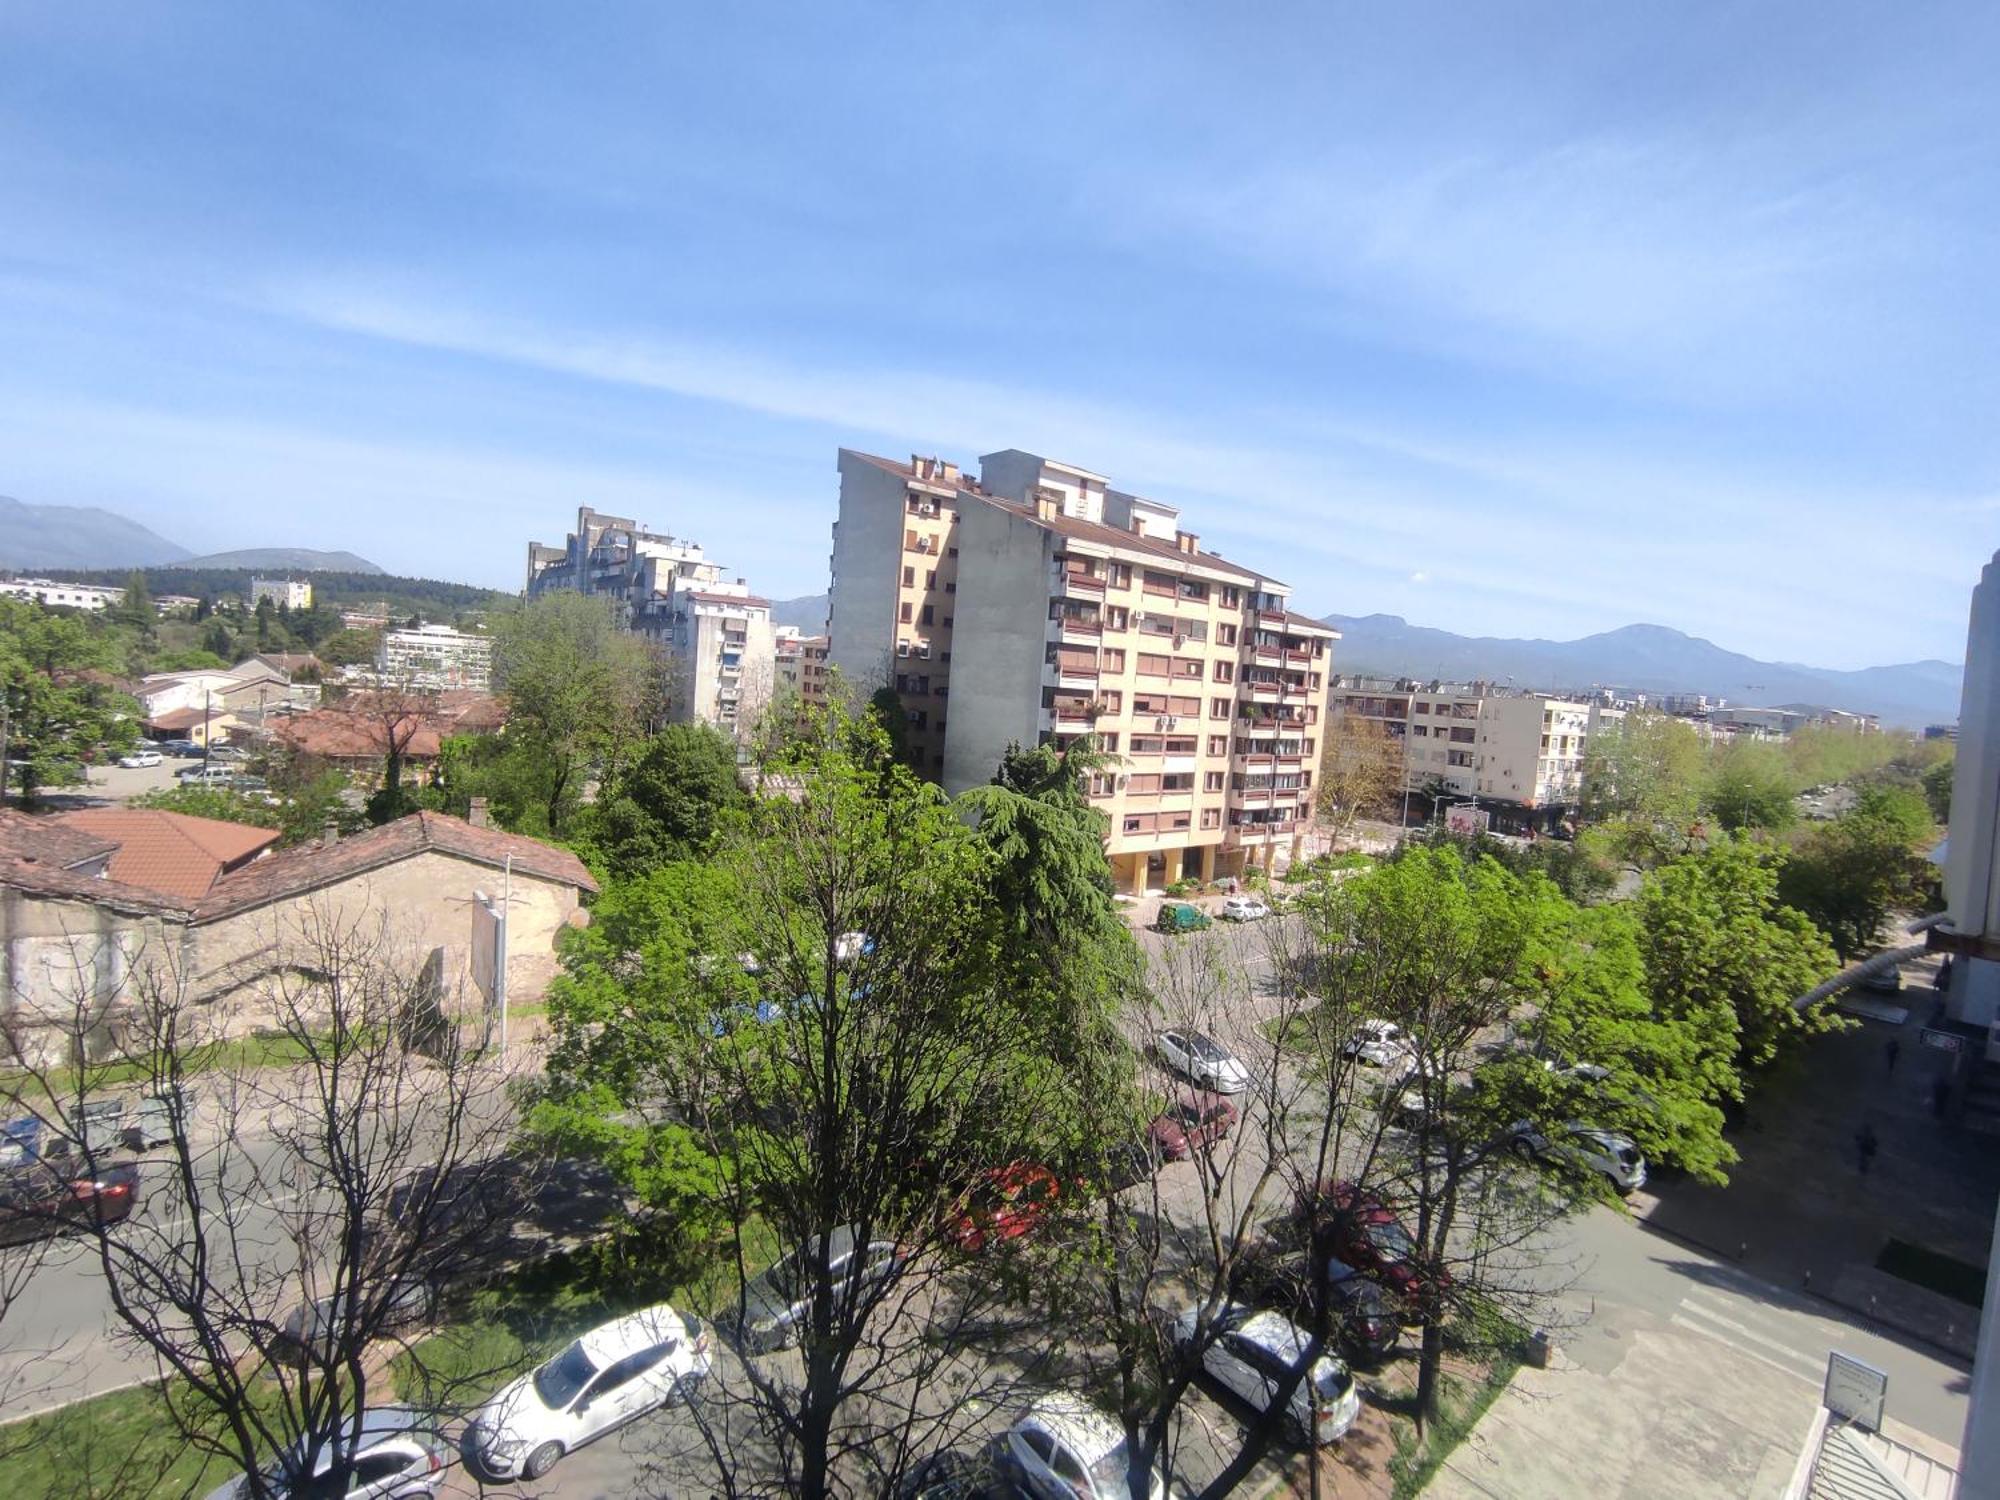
(1855, 1390)
(1467, 819)
(489, 950)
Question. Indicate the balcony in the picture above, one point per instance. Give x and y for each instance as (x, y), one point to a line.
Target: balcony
(1080, 625)
(1088, 585)
(1239, 834)
(1303, 657)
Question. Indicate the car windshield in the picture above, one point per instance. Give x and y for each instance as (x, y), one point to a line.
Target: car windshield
(1109, 1470)
(558, 1381)
(1390, 1239)
(1205, 1049)
(1330, 1380)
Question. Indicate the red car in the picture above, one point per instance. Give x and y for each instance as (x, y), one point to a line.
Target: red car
(1004, 1204)
(1191, 1122)
(1357, 1227)
(45, 1198)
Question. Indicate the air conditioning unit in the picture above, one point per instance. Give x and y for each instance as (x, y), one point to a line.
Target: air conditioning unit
(902, 648)
(927, 508)
(923, 544)
(924, 650)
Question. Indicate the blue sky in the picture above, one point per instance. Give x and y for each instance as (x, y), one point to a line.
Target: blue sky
(1511, 319)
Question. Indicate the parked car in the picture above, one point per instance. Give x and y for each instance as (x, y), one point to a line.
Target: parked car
(1063, 1448)
(612, 1375)
(1357, 1227)
(1191, 1123)
(1243, 909)
(139, 759)
(42, 1198)
(398, 1454)
(1887, 981)
(1366, 1319)
(1202, 1060)
(206, 775)
(1178, 916)
(953, 1475)
(1253, 1354)
(1004, 1204)
(227, 752)
(1607, 1152)
(1379, 1043)
(177, 747)
(313, 1326)
(777, 1304)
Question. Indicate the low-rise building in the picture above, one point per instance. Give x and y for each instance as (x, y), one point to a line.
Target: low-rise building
(716, 632)
(1037, 604)
(249, 694)
(55, 595)
(801, 663)
(436, 656)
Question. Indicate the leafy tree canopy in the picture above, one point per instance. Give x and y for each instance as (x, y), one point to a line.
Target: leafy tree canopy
(666, 803)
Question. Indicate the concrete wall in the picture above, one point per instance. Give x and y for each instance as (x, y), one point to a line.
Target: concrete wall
(57, 956)
(1972, 894)
(1000, 640)
(867, 564)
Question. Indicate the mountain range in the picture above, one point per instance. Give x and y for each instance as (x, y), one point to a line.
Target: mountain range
(807, 612)
(1650, 659)
(80, 536)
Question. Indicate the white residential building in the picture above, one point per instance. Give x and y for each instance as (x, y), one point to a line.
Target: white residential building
(54, 595)
(436, 656)
(715, 630)
(284, 593)
(1038, 604)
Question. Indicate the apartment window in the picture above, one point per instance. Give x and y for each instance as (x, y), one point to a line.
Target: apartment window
(910, 539)
(930, 578)
(1120, 575)
(909, 577)
(908, 613)
(1189, 668)
(1159, 583)
(1231, 597)
(1180, 744)
(951, 552)
(1218, 708)
(1113, 659)
(1212, 781)
(1108, 742)
(926, 617)
(1132, 823)
(1179, 820)
(1225, 635)
(1421, 731)
(1545, 742)
(1423, 708)
(1211, 817)
(1117, 617)
(1154, 666)
(1148, 744)
(1225, 671)
(1218, 744)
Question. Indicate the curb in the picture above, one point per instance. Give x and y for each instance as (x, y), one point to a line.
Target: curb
(1875, 1318)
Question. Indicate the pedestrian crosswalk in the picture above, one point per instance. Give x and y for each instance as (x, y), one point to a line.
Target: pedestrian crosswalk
(1735, 1322)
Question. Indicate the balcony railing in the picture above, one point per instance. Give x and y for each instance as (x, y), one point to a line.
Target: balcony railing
(1077, 625)
(1089, 583)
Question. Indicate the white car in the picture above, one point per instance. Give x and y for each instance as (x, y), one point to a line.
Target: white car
(613, 1374)
(1606, 1151)
(1243, 909)
(1380, 1043)
(1202, 1060)
(1063, 1448)
(141, 758)
(397, 1453)
(1254, 1353)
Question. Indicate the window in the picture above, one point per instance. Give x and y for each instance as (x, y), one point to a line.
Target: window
(925, 619)
(910, 539)
(1225, 671)
(1218, 708)
(909, 577)
(375, 1468)
(1212, 782)
(1114, 659)
(1231, 597)
(1211, 817)
(1225, 635)
(1131, 823)
(1423, 708)
(930, 578)
(1188, 668)
(1179, 820)
(1218, 744)
(908, 613)
(1177, 781)
(1120, 575)
(1151, 665)
(1108, 742)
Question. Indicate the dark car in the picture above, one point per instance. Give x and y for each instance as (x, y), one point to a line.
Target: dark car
(1364, 1316)
(403, 1304)
(1003, 1204)
(1191, 1122)
(44, 1198)
(777, 1304)
(1355, 1226)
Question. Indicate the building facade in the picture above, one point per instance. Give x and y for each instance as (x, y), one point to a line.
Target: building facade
(1518, 755)
(717, 633)
(1040, 605)
(436, 656)
(54, 595)
(801, 663)
(284, 593)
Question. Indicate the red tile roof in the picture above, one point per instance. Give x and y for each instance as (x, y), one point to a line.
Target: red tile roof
(48, 841)
(179, 718)
(171, 852)
(309, 867)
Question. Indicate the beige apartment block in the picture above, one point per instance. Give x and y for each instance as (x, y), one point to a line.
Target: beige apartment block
(1514, 753)
(1039, 605)
(801, 663)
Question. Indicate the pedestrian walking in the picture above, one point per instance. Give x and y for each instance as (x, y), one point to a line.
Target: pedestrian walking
(1892, 1051)
(1943, 979)
(1865, 1147)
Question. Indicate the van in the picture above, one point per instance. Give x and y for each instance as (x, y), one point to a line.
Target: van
(1178, 916)
(210, 775)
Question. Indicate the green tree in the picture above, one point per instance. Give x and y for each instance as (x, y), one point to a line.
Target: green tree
(349, 648)
(665, 803)
(1936, 782)
(1726, 959)
(218, 640)
(516, 776)
(1642, 783)
(60, 708)
(578, 688)
(1848, 875)
(1751, 786)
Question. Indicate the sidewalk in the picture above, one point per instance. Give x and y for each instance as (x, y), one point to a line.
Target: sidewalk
(1798, 1211)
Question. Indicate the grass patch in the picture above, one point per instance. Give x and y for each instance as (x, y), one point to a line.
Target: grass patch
(238, 1054)
(1414, 1464)
(1291, 1033)
(110, 1447)
(1935, 1271)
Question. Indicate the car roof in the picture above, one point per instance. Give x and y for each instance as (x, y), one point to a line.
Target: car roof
(378, 1424)
(622, 1336)
(1273, 1331)
(1080, 1427)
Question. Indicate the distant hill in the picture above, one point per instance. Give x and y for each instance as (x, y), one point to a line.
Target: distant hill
(807, 612)
(1649, 659)
(284, 560)
(76, 536)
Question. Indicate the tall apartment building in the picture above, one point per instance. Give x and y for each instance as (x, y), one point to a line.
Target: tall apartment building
(1037, 604)
(284, 593)
(716, 631)
(801, 663)
(1518, 755)
(436, 656)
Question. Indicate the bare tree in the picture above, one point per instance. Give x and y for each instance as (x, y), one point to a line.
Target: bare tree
(1361, 773)
(305, 1213)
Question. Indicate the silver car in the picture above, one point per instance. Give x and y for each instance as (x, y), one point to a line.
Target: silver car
(1615, 1156)
(1255, 1353)
(1063, 1448)
(399, 1454)
(1202, 1060)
